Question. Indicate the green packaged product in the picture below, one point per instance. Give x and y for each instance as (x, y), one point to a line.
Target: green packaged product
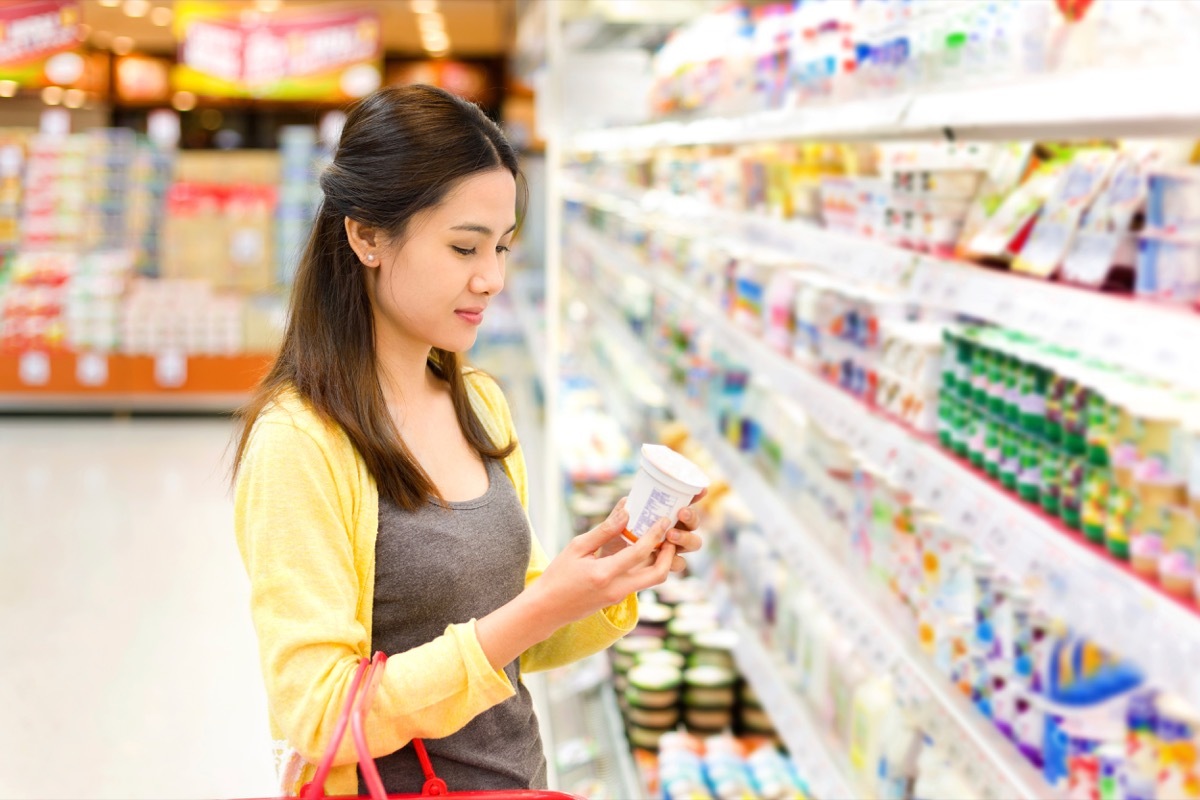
(1075, 417)
(1097, 485)
(1029, 476)
(997, 385)
(1071, 507)
(1099, 428)
(991, 450)
(980, 371)
(977, 439)
(947, 409)
(1056, 392)
(1033, 382)
(1010, 459)
(1052, 471)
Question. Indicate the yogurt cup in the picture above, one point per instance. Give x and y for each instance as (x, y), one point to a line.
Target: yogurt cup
(664, 485)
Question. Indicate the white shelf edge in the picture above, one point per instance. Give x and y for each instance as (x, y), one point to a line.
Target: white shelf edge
(1145, 337)
(1094, 102)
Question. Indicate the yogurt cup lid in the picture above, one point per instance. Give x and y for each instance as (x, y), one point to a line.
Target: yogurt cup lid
(655, 677)
(668, 461)
(709, 677)
(638, 644)
(662, 658)
(724, 641)
(655, 614)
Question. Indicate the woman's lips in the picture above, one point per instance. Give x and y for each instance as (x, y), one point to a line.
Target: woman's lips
(471, 317)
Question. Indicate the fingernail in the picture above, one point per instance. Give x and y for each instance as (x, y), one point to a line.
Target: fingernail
(675, 536)
(685, 515)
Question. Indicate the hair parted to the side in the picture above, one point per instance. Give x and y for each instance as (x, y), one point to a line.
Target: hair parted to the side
(401, 151)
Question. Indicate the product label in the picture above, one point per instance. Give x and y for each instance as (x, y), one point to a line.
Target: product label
(659, 503)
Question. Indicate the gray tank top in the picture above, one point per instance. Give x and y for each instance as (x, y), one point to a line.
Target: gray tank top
(448, 563)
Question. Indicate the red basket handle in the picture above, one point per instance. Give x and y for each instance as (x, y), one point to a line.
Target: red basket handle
(358, 702)
(315, 789)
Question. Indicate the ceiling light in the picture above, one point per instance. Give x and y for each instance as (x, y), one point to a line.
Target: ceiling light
(52, 95)
(136, 8)
(73, 98)
(122, 45)
(184, 101)
(424, 6)
(431, 22)
(161, 16)
(268, 6)
(9, 88)
(110, 3)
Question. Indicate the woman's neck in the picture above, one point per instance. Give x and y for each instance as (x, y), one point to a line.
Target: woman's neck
(403, 367)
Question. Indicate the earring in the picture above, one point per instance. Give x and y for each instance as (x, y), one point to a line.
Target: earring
(370, 256)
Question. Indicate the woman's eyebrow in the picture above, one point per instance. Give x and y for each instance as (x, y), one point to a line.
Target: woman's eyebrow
(477, 228)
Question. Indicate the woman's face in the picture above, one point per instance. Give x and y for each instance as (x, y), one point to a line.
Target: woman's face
(433, 286)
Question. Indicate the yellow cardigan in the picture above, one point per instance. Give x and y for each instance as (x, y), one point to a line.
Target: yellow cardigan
(306, 515)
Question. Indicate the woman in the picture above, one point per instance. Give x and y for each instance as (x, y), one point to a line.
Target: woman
(380, 491)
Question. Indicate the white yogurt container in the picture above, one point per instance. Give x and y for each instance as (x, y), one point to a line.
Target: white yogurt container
(664, 485)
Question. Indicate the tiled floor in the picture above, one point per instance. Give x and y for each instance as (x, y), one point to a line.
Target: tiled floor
(128, 664)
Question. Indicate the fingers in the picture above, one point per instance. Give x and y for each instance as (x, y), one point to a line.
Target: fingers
(684, 541)
(678, 564)
(689, 519)
(632, 557)
(605, 532)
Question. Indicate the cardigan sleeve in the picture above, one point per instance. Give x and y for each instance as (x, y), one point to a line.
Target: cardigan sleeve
(294, 518)
(577, 640)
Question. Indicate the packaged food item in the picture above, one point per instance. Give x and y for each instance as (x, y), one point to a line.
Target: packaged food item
(1054, 233)
(665, 484)
(1009, 168)
(1105, 239)
(709, 687)
(1004, 233)
(654, 686)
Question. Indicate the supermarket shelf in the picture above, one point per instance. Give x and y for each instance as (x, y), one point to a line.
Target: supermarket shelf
(1130, 102)
(1154, 339)
(116, 403)
(173, 382)
(1093, 593)
(1096, 594)
(806, 742)
(947, 715)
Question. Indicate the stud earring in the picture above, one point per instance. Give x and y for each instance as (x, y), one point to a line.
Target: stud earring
(370, 256)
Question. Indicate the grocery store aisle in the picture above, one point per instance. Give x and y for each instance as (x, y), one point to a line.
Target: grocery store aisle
(129, 667)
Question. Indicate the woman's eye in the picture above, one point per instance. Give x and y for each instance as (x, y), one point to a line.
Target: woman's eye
(463, 251)
(502, 249)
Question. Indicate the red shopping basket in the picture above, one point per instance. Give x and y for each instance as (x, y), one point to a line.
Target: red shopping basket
(366, 679)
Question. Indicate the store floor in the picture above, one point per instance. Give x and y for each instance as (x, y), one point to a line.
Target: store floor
(128, 664)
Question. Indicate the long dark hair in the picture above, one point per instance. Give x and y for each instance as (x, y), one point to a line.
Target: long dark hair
(400, 152)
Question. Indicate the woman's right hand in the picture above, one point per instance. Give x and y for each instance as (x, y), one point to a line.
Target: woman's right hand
(580, 580)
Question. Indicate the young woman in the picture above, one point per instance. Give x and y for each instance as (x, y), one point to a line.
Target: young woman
(380, 490)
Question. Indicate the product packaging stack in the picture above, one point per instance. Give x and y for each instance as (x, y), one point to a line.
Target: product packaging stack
(93, 299)
(33, 300)
(111, 156)
(299, 195)
(57, 193)
(151, 179)
(13, 144)
(181, 315)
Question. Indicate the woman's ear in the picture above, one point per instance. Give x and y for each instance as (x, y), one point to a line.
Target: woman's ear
(364, 241)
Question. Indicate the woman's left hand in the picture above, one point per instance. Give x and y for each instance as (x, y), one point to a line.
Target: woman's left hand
(683, 535)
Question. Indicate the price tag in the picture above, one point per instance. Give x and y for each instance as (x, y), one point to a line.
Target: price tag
(91, 369)
(34, 368)
(170, 369)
